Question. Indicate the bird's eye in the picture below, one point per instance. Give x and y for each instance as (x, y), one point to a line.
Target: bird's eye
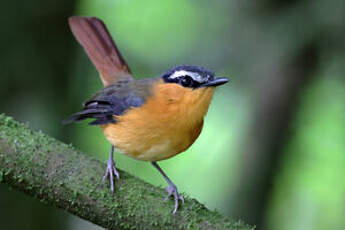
(186, 81)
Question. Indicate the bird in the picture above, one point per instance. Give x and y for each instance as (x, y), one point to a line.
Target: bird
(150, 119)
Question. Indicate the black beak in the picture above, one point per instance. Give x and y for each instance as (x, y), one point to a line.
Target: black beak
(216, 81)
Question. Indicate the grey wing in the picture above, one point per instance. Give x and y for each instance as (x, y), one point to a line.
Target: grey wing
(112, 100)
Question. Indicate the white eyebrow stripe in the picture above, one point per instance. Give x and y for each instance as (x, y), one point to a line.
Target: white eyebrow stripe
(195, 76)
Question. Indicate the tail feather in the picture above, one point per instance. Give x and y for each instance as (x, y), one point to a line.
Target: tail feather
(95, 38)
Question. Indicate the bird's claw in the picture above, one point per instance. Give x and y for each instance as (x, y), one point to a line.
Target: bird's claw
(110, 172)
(172, 191)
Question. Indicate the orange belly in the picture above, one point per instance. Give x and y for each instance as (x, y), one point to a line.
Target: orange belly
(150, 141)
(164, 126)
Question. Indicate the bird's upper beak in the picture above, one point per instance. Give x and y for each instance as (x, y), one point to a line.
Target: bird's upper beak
(216, 81)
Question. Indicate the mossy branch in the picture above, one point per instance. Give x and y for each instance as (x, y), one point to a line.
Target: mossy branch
(59, 175)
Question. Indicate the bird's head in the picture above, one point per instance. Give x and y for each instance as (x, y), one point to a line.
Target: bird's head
(193, 77)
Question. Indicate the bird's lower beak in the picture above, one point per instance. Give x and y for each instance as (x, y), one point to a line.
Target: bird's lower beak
(216, 81)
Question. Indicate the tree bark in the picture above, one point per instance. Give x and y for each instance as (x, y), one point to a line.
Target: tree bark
(59, 175)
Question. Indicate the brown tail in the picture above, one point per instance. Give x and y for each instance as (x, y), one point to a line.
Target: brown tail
(93, 35)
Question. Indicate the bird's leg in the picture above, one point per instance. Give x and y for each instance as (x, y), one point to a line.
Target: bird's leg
(172, 189)
(111, 170)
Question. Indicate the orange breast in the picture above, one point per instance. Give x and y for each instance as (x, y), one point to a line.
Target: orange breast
(167, 124)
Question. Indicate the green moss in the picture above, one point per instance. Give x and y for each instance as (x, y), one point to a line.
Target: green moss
(61, 176)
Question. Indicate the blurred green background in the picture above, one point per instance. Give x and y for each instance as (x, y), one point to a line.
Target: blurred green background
(272, 151)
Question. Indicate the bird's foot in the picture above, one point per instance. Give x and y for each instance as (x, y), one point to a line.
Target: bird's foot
(110, 172)
(172, 191)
